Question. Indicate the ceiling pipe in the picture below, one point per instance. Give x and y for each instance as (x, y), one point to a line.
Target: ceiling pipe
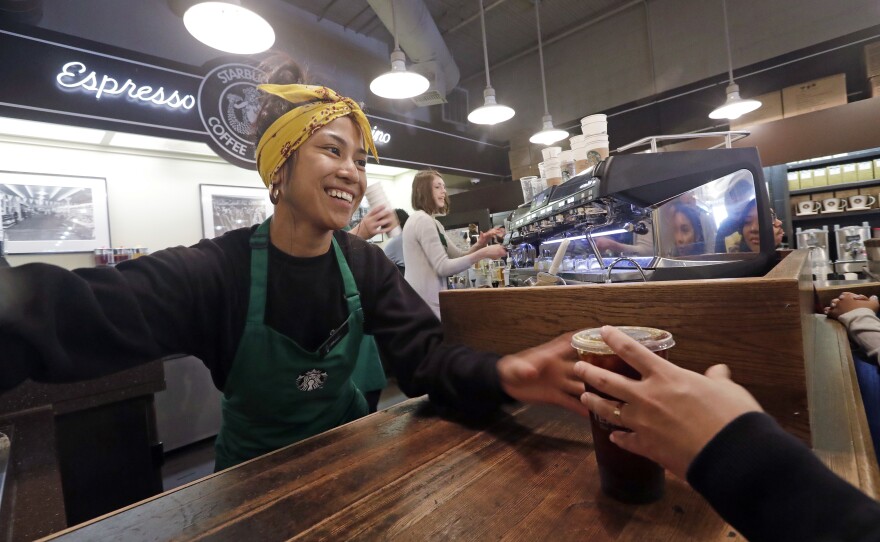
(420, 39)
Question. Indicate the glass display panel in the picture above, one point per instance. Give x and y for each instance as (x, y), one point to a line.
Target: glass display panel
(719, 217)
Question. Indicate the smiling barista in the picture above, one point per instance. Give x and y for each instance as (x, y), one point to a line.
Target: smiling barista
(276, 311)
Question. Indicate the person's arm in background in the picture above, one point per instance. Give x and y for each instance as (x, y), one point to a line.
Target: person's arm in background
(711, 431)
(425, 231)
(378, 220)
(858, 313)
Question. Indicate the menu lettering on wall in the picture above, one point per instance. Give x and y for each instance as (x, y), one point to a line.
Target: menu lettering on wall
(75, 75)
(380, 137)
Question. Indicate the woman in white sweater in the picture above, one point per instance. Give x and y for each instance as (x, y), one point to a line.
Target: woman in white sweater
(429, 257)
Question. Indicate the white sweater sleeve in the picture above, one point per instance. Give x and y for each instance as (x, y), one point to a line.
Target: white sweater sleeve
(864, 328)
(429, 240)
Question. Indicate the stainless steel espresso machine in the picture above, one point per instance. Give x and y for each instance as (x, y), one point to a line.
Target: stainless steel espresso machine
(657, 216)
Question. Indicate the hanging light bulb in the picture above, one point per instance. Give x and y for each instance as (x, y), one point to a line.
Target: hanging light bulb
(398, 83)
(548, 134)
(491, 112)
(734, 107)
(229, 27)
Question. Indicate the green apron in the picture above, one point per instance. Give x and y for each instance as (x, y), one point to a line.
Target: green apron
(278, 393)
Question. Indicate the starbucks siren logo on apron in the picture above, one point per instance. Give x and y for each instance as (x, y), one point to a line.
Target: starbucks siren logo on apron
(311, 380)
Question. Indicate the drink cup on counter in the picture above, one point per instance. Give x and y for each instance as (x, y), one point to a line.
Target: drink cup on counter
(597, 148)
(623, 475)
(550, 152)
(579, 155)
(594, 124)
(527, 184)
(375, 194)
(566, 163)
(553, 172)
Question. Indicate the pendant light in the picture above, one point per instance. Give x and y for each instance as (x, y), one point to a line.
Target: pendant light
(490, 112)
(398, 83)
(548, 134)
(734, 107)
(229, 27)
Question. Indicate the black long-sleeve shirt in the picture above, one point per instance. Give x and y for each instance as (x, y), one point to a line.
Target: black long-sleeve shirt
(771, 487)
(58, 325)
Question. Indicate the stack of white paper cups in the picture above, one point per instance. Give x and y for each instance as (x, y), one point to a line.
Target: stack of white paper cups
(578, 153)
(375, 198)
(595, 129)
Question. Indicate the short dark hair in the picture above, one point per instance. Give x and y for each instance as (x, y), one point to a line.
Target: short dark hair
(280, 69)
(402, 216)
(422, 199)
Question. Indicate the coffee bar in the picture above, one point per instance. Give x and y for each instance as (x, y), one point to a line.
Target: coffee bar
(709, 238)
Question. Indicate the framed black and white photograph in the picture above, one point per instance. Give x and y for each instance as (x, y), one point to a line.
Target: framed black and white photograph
(53, 213)
(226, 208)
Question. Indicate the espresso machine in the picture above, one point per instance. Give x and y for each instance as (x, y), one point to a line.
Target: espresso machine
(816, 241)
(653, 216)
(851, 255)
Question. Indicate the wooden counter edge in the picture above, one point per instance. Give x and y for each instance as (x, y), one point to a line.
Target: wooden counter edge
(843, 425)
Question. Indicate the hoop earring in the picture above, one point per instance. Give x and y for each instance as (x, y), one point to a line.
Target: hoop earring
(274, 194)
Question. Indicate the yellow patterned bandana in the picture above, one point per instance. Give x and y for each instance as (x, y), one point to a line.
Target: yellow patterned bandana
(320, 106)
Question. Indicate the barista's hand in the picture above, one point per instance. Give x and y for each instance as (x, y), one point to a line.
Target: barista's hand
(544, 374)
(493, 252)
(848, 301)
(673, 412)
(487, 236)
(380, 219)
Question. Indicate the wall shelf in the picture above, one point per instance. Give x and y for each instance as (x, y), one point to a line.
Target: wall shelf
(857, 156)
(837, 217)
(834, 187)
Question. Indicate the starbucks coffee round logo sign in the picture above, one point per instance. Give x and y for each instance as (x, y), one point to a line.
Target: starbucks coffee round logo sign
(228, 106)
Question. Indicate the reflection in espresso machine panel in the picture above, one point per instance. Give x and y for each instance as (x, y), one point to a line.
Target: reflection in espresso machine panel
(664, 216)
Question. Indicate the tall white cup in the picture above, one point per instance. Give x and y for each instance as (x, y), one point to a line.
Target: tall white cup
(376, 197)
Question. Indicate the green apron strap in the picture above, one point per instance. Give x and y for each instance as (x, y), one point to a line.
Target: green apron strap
(352, 297)
(259, 264)
(442, 237)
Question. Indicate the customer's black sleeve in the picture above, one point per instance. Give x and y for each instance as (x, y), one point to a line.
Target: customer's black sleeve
(771, 487)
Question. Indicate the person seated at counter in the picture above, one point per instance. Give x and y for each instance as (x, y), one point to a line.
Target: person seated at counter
(276, 311)
(710, 431)
(748, 237)
(687, 230)
(858, 314)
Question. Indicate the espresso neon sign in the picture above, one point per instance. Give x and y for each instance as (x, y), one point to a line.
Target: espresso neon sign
(76, 75)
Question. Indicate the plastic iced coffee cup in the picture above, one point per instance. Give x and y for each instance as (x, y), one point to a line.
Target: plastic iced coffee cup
(623, 475)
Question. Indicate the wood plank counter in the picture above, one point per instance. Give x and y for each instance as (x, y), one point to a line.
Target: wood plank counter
(529, 473)
(406, 474)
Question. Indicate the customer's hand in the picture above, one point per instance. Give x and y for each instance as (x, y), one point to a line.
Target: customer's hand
(378, 220)
(672, 412)
(544, 374)
(848, 301)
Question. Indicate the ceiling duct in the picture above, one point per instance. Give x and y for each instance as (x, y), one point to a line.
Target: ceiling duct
(22, 11)
(420, 39)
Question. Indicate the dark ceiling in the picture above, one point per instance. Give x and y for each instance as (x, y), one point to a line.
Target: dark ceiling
(510, 25)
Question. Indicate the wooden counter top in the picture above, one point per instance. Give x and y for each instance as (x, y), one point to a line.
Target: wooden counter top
(406, 474)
